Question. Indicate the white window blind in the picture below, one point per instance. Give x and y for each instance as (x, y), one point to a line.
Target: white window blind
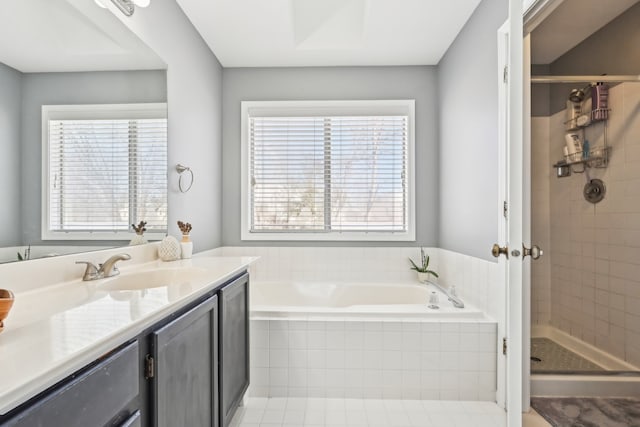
(329, 174)
(105, 174)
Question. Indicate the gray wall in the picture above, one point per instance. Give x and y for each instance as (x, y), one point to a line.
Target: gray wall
(468, 82)
(70, 88)
(10, 100)
(333, 83)
(540, 93)
(614, 49)
(194, 87)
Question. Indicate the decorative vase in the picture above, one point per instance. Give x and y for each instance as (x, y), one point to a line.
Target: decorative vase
(6, 301)
(423, 277)
(169, 249)
(187, 246)
(138, 239)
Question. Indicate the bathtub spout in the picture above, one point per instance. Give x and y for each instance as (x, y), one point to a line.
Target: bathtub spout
(455, 300)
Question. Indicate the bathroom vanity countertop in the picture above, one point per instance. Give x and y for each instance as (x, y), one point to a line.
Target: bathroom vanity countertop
(56, 330)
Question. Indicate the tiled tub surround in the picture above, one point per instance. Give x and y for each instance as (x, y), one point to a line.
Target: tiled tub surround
(594, 251)
(476, 280)
(391, 359)
(406, 353)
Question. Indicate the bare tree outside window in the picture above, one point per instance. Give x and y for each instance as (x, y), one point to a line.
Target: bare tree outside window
(337, 173)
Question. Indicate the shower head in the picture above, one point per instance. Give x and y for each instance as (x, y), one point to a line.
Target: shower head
(576, 95)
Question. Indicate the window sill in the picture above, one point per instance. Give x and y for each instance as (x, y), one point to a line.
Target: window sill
(330, 237)
(98, 236)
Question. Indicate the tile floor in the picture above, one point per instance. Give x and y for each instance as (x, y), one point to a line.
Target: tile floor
(299, 412)
(533, 419)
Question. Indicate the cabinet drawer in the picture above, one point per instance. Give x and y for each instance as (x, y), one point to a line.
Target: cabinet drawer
(93, 398)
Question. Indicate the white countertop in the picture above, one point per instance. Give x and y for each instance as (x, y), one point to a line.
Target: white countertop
(56, 330)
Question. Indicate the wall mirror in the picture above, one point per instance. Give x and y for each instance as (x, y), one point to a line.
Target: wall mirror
(70, 53)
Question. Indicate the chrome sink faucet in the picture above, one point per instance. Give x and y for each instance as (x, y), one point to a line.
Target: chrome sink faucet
(106, 269)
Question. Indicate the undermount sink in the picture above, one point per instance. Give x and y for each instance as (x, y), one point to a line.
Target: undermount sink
(152, 279)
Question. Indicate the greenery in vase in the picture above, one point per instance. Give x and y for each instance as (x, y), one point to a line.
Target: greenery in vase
(424, 264)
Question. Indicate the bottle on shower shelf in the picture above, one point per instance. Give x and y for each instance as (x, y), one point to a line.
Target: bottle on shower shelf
(599, 102)
(574, 146)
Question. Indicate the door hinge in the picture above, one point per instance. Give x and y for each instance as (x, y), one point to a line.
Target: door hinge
(505, 74)
(504, 346)
(505, 209)
(149, 367)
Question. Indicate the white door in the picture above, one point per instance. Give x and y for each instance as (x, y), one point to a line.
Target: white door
(513, 186)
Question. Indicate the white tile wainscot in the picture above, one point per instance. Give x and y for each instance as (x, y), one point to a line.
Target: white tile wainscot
(373, 359)
(399, 358)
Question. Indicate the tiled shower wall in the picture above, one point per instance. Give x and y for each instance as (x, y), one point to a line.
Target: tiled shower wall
(595, 249)
(541, 175)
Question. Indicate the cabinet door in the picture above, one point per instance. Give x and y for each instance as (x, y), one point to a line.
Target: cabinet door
(185, 354)
(94, 397)
(234, 346)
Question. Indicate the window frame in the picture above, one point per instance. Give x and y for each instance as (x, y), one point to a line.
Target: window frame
(91, 112)
(404, 107)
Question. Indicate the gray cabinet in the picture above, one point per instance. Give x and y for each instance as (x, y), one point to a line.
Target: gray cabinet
(234, 346)
(190, 369)
(185, 382)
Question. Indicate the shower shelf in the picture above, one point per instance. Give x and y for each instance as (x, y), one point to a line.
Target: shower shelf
(597, 158)
(595, 116)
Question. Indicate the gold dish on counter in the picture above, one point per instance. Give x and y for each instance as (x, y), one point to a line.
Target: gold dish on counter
(6, 301)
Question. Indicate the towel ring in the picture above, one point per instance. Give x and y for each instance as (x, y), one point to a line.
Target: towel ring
(181, 169)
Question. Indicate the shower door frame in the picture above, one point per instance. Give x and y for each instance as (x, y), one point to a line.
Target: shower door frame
(536, 13)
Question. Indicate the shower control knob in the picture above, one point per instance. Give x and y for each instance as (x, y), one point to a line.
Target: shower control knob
(496, 251)
(535, 252)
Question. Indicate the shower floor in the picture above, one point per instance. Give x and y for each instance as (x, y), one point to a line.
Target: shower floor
(547, 356)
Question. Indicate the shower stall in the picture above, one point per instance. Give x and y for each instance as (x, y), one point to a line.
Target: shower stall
(585, 213)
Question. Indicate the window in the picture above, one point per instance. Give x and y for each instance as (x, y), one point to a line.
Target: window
(105, 168)
(331, 170)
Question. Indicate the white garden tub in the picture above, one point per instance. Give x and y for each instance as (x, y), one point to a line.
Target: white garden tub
(360, 300)
(368, 340)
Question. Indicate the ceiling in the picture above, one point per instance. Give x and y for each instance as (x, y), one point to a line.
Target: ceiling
(285, 33)
(69, 35)
(570, 23)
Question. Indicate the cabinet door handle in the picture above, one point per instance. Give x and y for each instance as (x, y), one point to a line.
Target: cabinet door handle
(132, 421)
